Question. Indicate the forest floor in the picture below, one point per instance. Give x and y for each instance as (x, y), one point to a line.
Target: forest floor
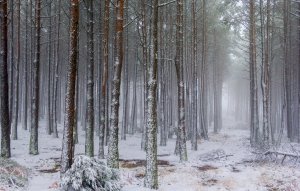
(224, 162)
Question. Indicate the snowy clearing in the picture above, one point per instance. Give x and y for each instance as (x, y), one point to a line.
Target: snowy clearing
(225, 162)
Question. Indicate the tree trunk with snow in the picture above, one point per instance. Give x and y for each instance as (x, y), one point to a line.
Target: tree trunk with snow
(67, 145)
(113, 150)
(145, 72)
(181, 134)
(151, 180)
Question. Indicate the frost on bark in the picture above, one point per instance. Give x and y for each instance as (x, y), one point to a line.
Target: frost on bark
(181, 134)
(67, 145)
(151, 180)
(89, 139)
(33, 145)
(4, 100)
(104, 79)
(113, 150)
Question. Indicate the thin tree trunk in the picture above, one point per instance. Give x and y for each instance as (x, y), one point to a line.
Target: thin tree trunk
(195, 68)
(15, 116)
(33, 146)
(104, 79)
(253, 78)
(55, 78)
(48, 108)
(145, 73)
(12, 62)
(26, 92)
(89, 139)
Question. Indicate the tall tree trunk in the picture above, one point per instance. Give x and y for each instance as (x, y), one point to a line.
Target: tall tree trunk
(12, 62)
(33, 146)
(266, 83)
(89, 139)
(145, 72)
(195, 88)
(151, 180)
(203, 99)
(15, 116)
(254, 121)
(48, 107)
(113, 150)
(4, 97)
(104, 79)
(181, 134)
(67, 146)
(55, 77)
(25, 116)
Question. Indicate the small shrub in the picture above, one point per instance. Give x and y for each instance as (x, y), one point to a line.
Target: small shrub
(90, 174)
(12, 175)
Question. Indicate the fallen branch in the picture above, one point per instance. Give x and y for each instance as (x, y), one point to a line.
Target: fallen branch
(282, 153)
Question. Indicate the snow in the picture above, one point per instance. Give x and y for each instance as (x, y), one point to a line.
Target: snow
(235, 172)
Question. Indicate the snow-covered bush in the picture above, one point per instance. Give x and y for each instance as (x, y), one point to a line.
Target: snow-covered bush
(12, 175)
(90, 174)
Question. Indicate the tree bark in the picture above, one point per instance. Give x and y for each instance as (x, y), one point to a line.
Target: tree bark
(254, 121)
(89, 139)
(104, 79)
(67, 146)
(195, 79)
(181, 134)
(4, 97)
(113, 150)
(151, 178)
(33, 145)
(15, 116)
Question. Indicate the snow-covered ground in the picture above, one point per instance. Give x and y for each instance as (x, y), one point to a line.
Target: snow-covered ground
(225, 162)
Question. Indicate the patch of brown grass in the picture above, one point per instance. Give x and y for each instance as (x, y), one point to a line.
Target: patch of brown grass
(206, 168)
